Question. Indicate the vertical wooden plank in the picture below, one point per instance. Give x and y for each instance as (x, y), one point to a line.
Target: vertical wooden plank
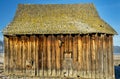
(19, 54)
(36, 56)
(53, 55)
(65, 49)
(32, 58)
(89, 56)
(40, 55)
(49, 54)
(23, 53)
(55, 38)
(11, 55)
(109, 56)
(12, 51)
(112, 57)
(15, 53)
(31, 51)
(67, 43)
(93, 55)
(21, 48)
(28, 48)
(30, 54)
(26, 51)
(61, 53)
(96, 56)
(111, 53)
(107, 53)
(70, 55)
(88, 60)
(57, 55)
(8, 68)
(84, 54)
(17, 48)
(27, 54)
(80, 55)
(44, 56)
(75, 47)
(99, 55)
(104, 57)
(67, 56)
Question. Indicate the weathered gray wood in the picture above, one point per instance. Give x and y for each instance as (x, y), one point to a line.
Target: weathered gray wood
(104, 56)
(112, 67)
(90, 55)
(107, 56)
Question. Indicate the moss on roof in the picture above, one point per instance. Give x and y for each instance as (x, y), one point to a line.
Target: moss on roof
(57, 19)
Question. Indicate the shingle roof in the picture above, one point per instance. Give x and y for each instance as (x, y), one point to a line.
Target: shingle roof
(57, 19)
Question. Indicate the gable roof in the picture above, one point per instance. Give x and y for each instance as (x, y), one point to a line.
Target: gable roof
(57, 19)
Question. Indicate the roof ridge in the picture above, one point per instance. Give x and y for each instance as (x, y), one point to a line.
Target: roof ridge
(31, 4)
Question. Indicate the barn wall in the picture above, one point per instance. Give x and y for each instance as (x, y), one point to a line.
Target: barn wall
(89, 56)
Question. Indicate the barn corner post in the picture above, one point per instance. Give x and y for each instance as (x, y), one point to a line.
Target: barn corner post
(112, 64)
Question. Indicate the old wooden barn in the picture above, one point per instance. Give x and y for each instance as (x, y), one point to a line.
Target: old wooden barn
(59, 40)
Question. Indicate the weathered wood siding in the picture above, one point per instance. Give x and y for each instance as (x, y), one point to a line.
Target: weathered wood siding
(85, 56)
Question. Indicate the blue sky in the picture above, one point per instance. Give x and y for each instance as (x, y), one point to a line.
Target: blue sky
(109, 10)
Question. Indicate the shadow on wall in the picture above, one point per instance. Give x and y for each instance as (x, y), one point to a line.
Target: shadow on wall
(117, 72)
